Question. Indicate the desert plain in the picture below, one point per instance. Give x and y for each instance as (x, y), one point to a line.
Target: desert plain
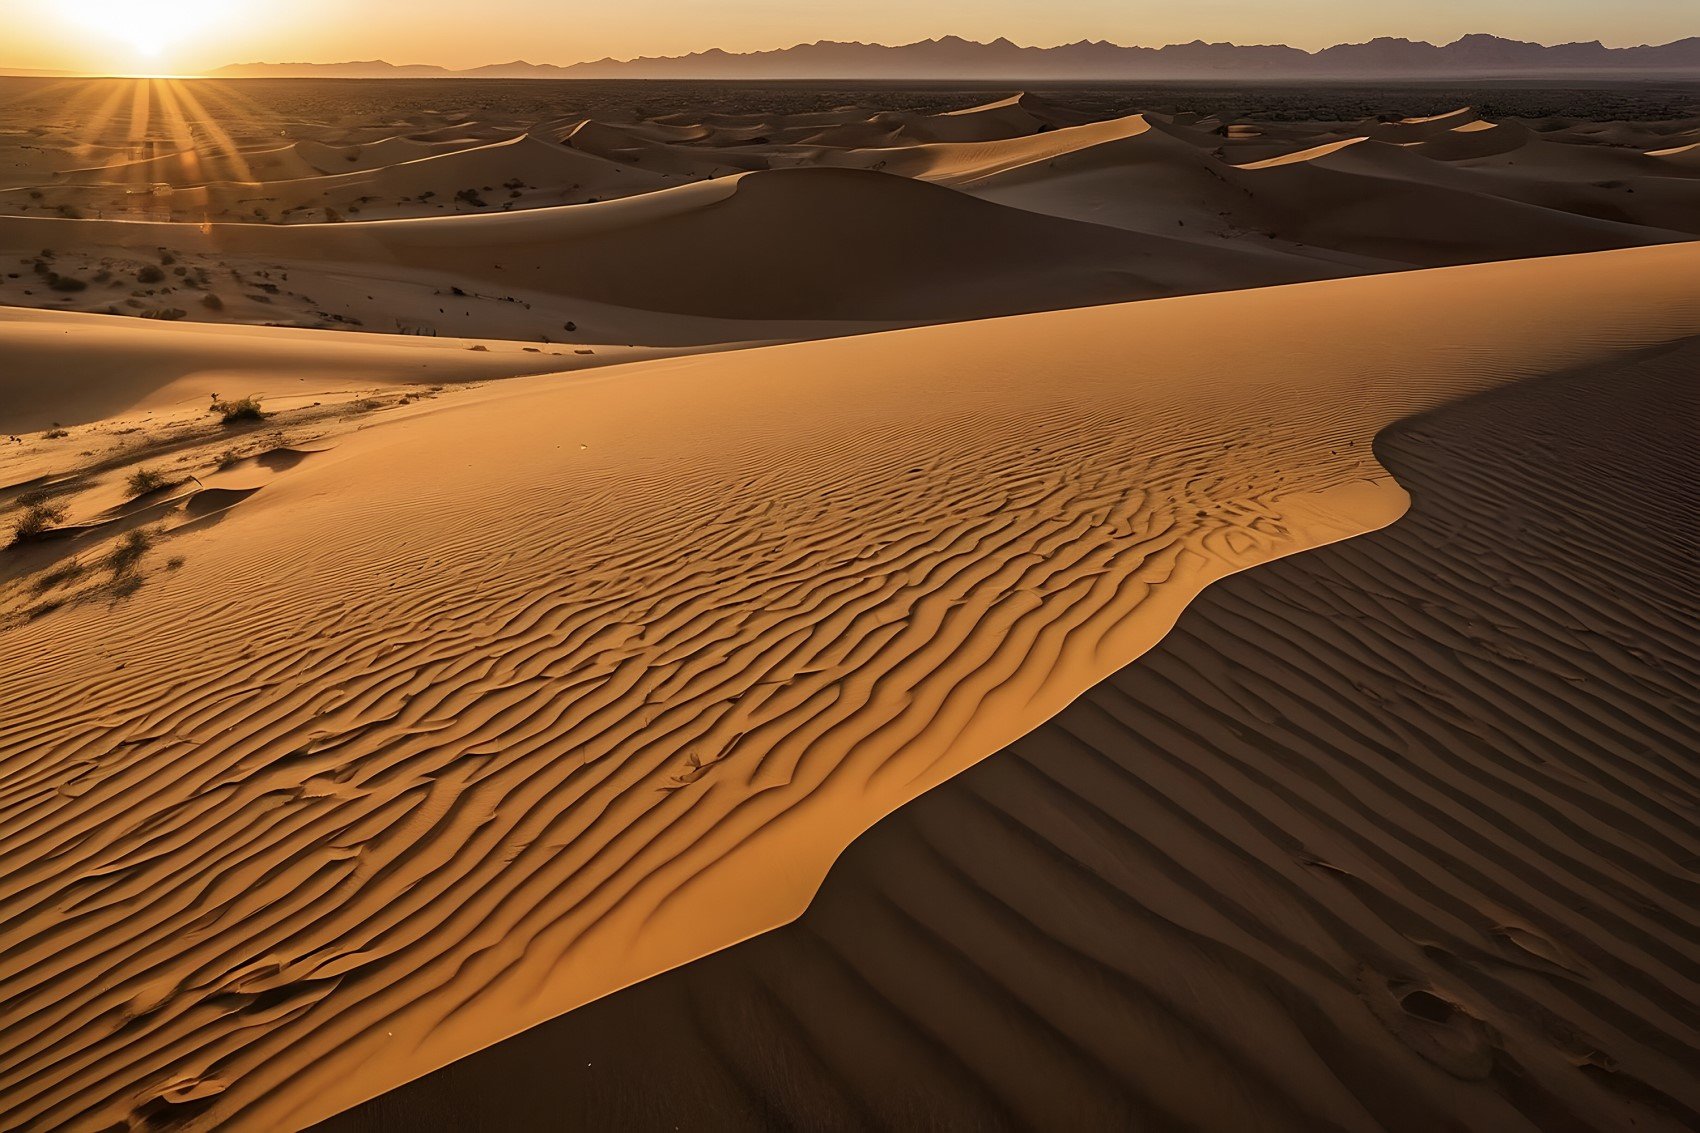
(651, 605)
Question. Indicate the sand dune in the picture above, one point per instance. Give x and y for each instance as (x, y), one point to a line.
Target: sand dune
(1200, 202)
(742, 248)
(448, 729)
(1396, 834)
(123, 367)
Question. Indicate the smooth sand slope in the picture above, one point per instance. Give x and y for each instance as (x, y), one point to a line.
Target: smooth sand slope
(494, 708)
(64, 368)
(1395, 834)
(778, 246)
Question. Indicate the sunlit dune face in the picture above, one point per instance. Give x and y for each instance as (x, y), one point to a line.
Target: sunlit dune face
(148, 28)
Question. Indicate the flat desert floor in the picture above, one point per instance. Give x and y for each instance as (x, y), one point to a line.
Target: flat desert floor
(649, 605)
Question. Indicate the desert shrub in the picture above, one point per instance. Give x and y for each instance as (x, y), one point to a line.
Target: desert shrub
(212, 302)
(164, 314)
(67, 283)
(35, 521)
(54, 434)
(227, 458)
(145, 480)
(129, 551)
(242, 409)
(58, 576)
(150, 274)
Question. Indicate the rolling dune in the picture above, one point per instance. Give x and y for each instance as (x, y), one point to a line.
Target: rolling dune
(66, 368)
(743, 251)
(450, 728)
(1397, 834)
(709, 228)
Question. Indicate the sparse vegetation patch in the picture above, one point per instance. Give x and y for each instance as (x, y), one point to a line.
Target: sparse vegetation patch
(145, 480)
(240, 410)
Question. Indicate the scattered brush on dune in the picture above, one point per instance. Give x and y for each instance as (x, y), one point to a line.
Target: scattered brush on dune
(145, 480)
(36, 520)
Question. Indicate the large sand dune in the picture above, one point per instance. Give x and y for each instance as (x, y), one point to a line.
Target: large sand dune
(1396, 834)
(449, 728)
(745, 251)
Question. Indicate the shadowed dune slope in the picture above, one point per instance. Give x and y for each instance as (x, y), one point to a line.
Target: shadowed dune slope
(751, 247)
(491, 710)
(1395, 834)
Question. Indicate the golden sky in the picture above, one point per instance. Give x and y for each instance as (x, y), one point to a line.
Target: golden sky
(185, 36)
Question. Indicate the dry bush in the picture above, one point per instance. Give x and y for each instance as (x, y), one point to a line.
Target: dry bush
(129, 551)
(145, 480)
(36, 520)
(240, 410)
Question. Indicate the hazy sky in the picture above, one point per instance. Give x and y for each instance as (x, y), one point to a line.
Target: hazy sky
(182, 36)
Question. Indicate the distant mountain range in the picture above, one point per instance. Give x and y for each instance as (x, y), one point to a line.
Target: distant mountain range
(954, 58)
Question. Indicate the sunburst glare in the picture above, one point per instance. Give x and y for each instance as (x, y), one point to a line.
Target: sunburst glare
(148, 31)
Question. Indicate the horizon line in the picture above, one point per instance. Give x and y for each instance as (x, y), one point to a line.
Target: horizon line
(24, 72)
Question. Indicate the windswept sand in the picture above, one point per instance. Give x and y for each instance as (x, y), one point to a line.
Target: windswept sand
(1395, 834)
(492, 708)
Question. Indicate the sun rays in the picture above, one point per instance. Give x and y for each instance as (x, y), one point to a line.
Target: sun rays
(158, 142)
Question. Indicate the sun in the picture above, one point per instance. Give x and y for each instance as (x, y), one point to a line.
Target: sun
(148, 28)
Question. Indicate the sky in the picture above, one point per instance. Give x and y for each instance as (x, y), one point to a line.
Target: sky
(186, 36)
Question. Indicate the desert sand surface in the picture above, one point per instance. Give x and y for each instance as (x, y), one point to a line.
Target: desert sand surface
(1314, 862)
(449, 729)
(422, 622)
(222, 202)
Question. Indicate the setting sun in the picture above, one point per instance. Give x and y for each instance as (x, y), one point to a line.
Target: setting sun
(147, 29)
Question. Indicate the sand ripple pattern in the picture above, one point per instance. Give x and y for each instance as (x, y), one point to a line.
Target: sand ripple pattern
(1396, 834)
(480, 717)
